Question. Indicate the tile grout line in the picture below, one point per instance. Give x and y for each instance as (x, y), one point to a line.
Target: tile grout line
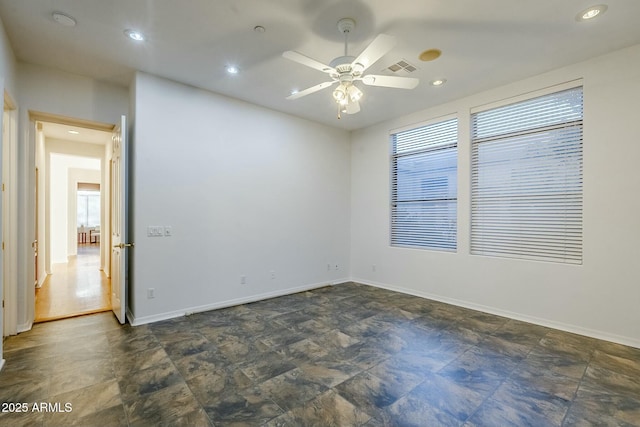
(575, 393)
(490, 395)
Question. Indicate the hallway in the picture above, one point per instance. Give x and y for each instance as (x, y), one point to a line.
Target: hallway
(75, 288)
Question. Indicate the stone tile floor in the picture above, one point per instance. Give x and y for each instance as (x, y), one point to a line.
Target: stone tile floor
(347, 355)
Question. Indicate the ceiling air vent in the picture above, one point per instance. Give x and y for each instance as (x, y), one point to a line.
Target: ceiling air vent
(401, 65)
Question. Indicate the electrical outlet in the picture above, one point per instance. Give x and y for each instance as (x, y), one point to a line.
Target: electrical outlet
(328, 267)
(273, 275)
(373, 268)
(243, 280)
(151, 293)
(337, 267)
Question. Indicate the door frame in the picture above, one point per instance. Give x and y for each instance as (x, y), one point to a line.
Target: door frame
(9, 277)
(27, 250)
(37, 226)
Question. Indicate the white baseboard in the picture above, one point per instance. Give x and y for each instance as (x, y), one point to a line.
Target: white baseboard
(628, 341)
(42, 279)
(632, 342)
(137, 321)
(24, 327)
(129, 316)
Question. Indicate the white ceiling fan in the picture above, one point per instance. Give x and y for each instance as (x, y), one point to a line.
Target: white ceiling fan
(347, 70)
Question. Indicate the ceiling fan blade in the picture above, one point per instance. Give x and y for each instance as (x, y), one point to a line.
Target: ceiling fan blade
(310, 90)
(309, 62)
(376, 50)
(353, 107)
(390, 81)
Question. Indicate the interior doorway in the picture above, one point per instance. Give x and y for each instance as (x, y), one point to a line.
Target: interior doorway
(72, 208)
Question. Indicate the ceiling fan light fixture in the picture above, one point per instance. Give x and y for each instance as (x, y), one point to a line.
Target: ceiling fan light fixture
(346, 70)
(340, 93)
(355, 94)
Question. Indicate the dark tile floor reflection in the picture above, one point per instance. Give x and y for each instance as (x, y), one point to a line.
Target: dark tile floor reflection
(347, 355)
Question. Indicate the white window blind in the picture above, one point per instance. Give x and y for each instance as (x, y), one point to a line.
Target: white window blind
(526, 179)
(424, 186)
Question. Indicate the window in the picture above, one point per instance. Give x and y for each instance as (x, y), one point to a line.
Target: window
(424, 186)
(526, 179)
(88, 208)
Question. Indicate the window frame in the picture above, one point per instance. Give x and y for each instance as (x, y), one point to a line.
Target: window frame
(84, 194)
(574, 247)
(393, 193)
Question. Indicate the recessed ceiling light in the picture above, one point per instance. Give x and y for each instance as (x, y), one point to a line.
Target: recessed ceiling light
(591, 12)
(73, 132)
(134, 35)
(438, 82)
(232, 69)
(64, 19)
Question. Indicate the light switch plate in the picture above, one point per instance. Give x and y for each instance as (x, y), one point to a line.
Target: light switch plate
(155, 231)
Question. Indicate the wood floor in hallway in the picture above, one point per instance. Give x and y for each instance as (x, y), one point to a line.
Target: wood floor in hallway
(75, 288)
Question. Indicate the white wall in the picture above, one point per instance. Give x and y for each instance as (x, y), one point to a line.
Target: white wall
(247, 191)
(599, 298)
(52, 91)
(7, 64)
(60, 166)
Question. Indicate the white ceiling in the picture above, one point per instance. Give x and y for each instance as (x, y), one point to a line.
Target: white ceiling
(61, 132)
(484, 43)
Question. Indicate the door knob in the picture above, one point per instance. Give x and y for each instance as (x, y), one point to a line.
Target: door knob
(124, 245)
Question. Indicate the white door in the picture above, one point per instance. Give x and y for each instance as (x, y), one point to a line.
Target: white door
(119, 263)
